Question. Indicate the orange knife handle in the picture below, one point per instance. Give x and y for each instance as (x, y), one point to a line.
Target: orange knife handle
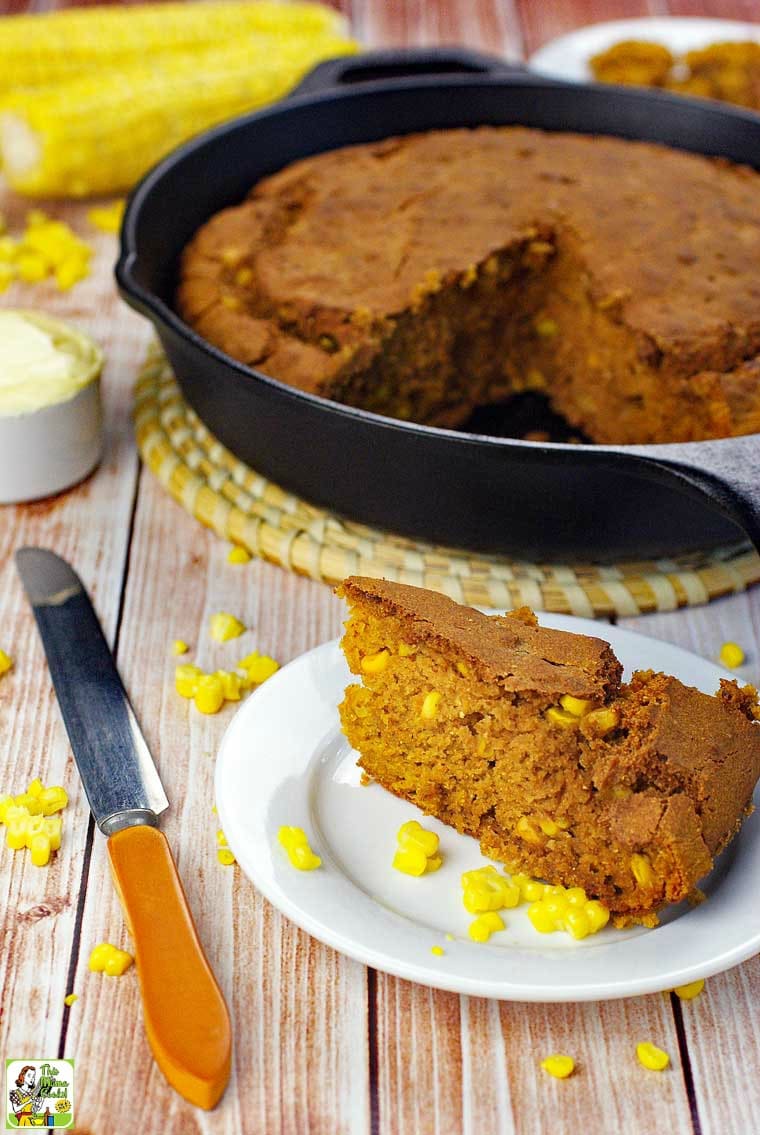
(186, 1017)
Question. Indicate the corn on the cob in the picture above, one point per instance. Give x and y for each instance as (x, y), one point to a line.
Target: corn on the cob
(99, 133)
(53, 46)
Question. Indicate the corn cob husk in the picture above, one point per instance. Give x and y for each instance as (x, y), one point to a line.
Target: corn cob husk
(41, 50)
(98, 134)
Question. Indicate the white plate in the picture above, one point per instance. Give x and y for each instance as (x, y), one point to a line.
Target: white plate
(283, 760)
(567, 56)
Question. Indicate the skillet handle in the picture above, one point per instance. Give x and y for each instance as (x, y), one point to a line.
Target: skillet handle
(397, 63)
(724, 473)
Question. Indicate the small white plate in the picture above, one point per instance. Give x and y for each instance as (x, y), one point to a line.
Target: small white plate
(284, 760)
(567, 56)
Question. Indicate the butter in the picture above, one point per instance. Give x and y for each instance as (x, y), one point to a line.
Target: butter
(41, 362)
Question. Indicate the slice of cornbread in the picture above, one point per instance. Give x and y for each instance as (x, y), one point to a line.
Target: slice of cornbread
(527, 739)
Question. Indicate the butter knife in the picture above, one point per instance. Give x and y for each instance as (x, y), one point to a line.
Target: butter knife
(186, 1018)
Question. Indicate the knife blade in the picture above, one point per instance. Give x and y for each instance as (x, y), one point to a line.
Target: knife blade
(186, 1018)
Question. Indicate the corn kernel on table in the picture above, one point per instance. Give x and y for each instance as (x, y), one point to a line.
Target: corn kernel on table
(322, 1045)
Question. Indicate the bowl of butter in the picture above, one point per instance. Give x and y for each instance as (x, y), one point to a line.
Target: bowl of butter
(51, 433)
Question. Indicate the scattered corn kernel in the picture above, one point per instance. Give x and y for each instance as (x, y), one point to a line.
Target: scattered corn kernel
(225, 856)
(561, 717)
(107, 218)
(186, 679)
(36, 787)
(485, 889)
(597, 915)
(296, 843)
(109, 959)
(417, 851)
(553, 828)
(652, 1057)
(258, 667)
(70, 998)
(731, 655)
(39, 847)
(375, 663)
(437, 950)
(562, 908)
(238, 555)
(53, 799)
(209, 695)
(690, 991)
(412, 834)
(481, 928)
(450, 938)
(179, 646)
(600, 722)
(6, 662)
(430, 705)
(224, 626)
(642, 870)
(541, 918)
(559, 1066)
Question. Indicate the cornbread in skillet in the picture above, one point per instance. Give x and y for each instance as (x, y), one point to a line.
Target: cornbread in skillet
(527, 739)
(422, 276)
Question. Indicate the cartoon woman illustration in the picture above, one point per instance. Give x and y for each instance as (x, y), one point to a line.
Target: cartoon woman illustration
(26, 1101)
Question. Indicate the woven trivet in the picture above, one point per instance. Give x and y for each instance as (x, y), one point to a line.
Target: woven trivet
(243, 507)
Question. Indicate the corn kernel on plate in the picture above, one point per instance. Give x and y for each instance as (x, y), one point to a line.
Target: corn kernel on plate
(285, 763)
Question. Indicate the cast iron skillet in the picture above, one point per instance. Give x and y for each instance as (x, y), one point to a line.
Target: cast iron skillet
(560, 501)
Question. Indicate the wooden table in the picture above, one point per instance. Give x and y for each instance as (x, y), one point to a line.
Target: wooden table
(322, 1045)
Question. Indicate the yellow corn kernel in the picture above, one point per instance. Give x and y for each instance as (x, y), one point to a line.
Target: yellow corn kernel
(105, 958)
(225, 856)
(39, 847)
(530, 889)
(296, 844)
(53, 799)
(70, 998)
(5, 803)
(651, 1056)
(7, 275)
(36, 787)
(179, 646)
(186, 679)
(437, 950)
(463, 669)
(601, 721)
(410, 861)
(375, 663)
(15, 832)
(541, 918)
(52, 827)
(481, 928)
(209, 696)
(553, 828)
(258, 667)
(433, 863)
(107, 218)
(561, 717)
(413, 835)
(73, 270)
(559, 1066)
(238, 555)
(642, 870)
(406, 649)
(579, 707)
(731, 654)
(232, 684)
(526, 830)
(556, 906)
(485, 889)
(576, 897)
(577, 924)
(598, 916)
(223, 626)
(690, 991)
(430, 705)
(545, 327)
(31, 267)
(32, 803)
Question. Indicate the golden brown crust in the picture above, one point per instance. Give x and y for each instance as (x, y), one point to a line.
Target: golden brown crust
(312, 278)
